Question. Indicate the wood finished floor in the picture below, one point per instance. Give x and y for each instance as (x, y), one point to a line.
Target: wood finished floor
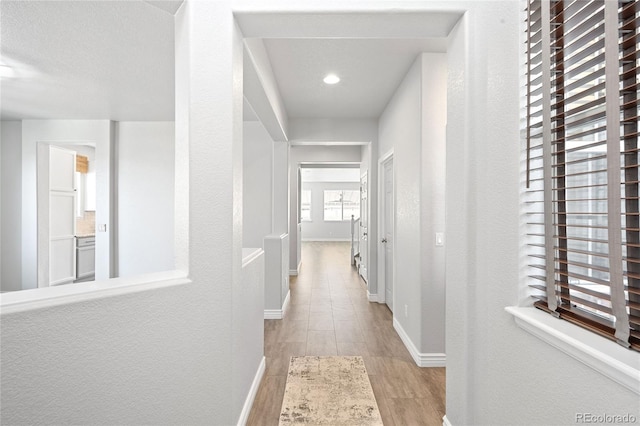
(329, 314)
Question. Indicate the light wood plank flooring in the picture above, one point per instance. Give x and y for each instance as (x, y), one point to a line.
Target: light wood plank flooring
(329, 314)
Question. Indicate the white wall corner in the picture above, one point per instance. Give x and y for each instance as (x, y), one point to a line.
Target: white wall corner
(278, 313)
(251, 396)
(445, 421)
(372, 297)
(295, 272)
(422, 359)
(285, 304)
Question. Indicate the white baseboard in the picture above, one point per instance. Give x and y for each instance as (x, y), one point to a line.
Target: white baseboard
(278, 313)
(445, 421)
(372, 297)
(273, 314)
(295, 272)
(251, 396)
(421, 359)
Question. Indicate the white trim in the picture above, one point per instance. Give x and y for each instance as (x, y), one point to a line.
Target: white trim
(341, 240)
(385, 157)
(445, 421)
(278, 313)
(252, 254)
(421, 359)
(372, 297)
(273, 314)
(251, 396)
(285, 304)
(295, 272)
(603, 355)
(46, 297)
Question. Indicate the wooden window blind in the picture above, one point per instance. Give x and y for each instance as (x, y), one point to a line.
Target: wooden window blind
(82, 164)
(581, 198)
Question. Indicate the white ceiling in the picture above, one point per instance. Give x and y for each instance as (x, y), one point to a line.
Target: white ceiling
(115, 60)
(87, 60)
(370, 71)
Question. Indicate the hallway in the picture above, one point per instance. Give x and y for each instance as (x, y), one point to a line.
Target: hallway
(329, 314)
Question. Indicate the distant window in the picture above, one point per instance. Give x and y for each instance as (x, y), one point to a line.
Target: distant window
(340, 205)
(305, 205)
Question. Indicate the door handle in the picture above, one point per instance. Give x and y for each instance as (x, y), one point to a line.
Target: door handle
(364, 234)
(384, 240)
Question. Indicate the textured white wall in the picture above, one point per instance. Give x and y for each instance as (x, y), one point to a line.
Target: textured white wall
(146, 158)
(432, 200)
(248, 325)
(256, 180)
(319, 229)
(400, 127)
(11, 154)
(280, 188)
(157, 354)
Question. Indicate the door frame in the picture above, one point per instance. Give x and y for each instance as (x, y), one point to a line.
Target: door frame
(42, 207)
(382, 285)
(363, 245)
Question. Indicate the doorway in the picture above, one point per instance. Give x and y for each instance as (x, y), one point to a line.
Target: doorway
(387, 200)
(66, 193)
(364, 227)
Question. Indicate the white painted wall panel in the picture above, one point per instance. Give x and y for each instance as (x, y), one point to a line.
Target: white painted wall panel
(145, 197)
(11, 157)
(432, 200)
(257, 177)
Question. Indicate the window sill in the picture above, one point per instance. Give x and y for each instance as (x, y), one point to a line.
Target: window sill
(607, 357)
(38, 298)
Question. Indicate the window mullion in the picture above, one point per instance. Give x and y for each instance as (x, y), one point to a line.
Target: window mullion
(614, 222)
(552, 300)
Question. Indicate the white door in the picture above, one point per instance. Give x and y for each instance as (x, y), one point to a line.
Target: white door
(364, 226)
(62, 218)
(387, 234)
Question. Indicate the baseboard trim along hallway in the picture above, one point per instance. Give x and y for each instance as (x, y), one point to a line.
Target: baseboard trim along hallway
(421, 359)
(330, 315)
(251, 396)
(278, 313)
(445, 421)
(372, 297)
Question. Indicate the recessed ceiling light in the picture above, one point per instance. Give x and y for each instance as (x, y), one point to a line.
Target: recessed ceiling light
(331, 79)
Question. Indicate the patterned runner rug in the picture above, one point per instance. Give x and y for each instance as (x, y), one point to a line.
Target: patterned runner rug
(328, 390)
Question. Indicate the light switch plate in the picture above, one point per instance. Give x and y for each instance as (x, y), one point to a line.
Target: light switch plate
(439, 239)
(102, 227)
